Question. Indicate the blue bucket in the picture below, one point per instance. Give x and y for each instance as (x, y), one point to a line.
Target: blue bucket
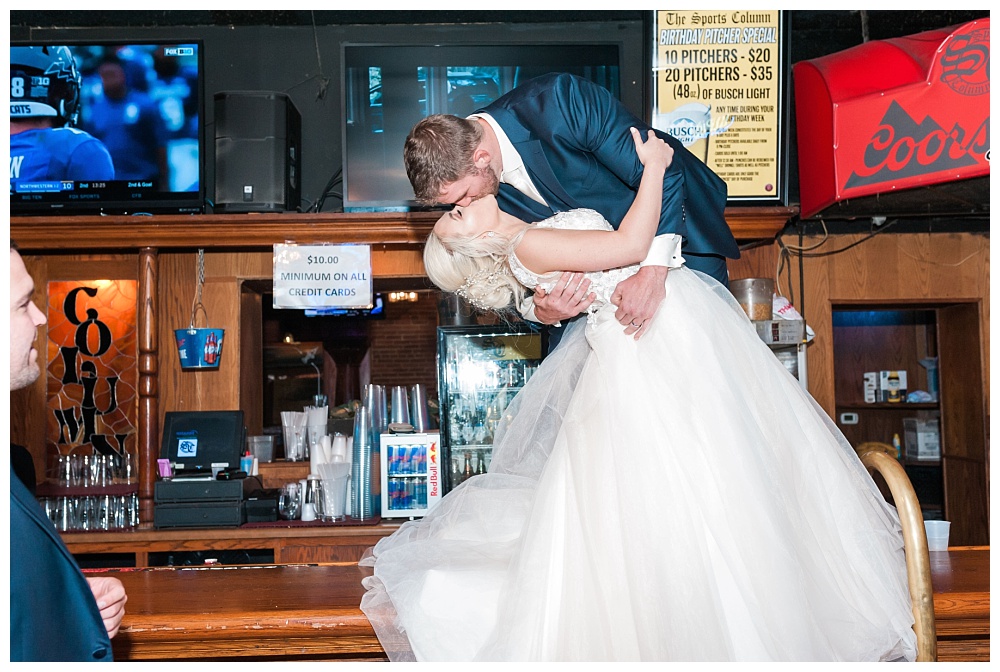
(199, 348)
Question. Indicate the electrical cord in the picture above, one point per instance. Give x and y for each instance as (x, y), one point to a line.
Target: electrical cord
(328, 191)
(787, 250)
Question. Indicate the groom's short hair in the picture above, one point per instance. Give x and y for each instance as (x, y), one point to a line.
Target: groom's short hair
(438, 152)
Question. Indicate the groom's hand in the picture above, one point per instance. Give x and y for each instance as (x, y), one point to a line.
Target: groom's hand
(567, 299)
(109, 593)
(638, 297)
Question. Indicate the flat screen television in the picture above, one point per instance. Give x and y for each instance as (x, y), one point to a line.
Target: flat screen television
(387, 88)
(376, 312)
(107, 127)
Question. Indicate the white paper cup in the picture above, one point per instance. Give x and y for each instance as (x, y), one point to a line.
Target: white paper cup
(308, 512)
(937, 534)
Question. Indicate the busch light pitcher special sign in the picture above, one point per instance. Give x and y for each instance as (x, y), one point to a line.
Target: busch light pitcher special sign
(718, 87)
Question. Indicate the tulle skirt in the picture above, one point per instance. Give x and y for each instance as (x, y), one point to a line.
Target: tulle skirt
(675, 498)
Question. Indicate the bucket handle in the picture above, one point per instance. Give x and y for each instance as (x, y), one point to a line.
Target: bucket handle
(198, 305)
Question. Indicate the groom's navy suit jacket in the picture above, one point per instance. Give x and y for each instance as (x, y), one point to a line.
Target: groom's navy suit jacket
(53, 614)
(574, 140)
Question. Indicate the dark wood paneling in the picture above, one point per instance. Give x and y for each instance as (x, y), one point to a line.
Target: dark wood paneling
(251, 360)
(963, 421)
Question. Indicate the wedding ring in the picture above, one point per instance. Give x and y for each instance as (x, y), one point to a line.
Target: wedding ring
(632, 322)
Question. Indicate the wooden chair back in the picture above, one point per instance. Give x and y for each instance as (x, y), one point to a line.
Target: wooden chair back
(881, 457)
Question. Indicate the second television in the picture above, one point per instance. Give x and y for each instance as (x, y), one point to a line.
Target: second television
(387, 88)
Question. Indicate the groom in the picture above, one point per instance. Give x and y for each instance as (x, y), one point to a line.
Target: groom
(559, 142)
(56, 614)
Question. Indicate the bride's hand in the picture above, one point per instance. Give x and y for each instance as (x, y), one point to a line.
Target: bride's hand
(567, 299)
(654, 152)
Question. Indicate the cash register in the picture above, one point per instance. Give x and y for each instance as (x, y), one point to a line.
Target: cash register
(203, 486)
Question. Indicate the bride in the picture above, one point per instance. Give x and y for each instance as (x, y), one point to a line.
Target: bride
(674, 497)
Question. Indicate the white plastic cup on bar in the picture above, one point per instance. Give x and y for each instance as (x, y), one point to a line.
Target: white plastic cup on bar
(937, 534)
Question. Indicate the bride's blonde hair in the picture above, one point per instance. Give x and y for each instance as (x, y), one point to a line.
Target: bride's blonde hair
(475, 268)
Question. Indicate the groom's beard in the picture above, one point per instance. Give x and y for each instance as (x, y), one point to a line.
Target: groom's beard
(491, 183)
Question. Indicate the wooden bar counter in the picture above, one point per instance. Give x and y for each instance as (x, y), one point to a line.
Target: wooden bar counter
(961, 579)
(290, 612)
(310, 612)
(306, 543)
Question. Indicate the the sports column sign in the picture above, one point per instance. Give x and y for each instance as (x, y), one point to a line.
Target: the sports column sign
(719, 87)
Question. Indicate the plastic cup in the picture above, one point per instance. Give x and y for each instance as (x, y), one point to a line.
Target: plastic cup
(261, 447)
(937, 534)
(755, 295)
(400, 405)
(335, 498)
(295, 442)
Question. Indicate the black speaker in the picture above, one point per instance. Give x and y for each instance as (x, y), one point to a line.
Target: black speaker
(258, 152)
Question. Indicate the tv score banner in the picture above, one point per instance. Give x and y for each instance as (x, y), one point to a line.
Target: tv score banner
(719, 87)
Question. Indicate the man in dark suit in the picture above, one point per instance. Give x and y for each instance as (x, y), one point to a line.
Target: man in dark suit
(559, 142)
(56, 614)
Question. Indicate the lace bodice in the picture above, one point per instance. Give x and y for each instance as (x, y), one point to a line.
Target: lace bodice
(602, 283)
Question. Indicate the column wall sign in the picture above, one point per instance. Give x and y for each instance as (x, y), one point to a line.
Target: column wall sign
(719, 86)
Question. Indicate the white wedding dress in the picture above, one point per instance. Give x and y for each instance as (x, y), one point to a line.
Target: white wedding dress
(679, 497)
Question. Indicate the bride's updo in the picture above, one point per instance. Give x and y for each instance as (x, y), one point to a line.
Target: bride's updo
(474, 268)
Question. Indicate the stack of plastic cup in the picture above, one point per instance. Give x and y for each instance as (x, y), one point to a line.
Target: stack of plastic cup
(419, 415)
(400, 405)
(361, 467)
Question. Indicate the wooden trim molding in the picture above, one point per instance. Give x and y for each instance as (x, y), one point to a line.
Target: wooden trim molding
(149, 388)
(50, 233)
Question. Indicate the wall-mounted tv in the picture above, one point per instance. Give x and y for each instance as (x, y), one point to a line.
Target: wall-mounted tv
(107, 127)
(387, 88)
(376, 312)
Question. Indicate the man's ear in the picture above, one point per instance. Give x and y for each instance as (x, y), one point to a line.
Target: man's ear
(481, 157)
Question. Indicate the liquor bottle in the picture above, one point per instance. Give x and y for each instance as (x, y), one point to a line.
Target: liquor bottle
(481, 464)
(467, 472)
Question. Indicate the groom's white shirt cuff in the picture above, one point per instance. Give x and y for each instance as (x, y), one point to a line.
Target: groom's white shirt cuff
(527, 309)
(665, 251)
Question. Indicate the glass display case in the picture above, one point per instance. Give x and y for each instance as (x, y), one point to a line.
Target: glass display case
(480, 370)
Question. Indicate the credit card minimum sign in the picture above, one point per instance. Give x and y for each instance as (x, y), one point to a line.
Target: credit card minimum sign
(322, 276)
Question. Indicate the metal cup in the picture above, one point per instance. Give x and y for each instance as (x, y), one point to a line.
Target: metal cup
(312, 499)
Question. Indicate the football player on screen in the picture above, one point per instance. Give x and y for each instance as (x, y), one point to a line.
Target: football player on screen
(44, 106)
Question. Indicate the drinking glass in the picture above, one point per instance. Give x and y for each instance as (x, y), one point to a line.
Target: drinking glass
(288, 501)
(334, 498)
(312, 499)
(64, 470)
